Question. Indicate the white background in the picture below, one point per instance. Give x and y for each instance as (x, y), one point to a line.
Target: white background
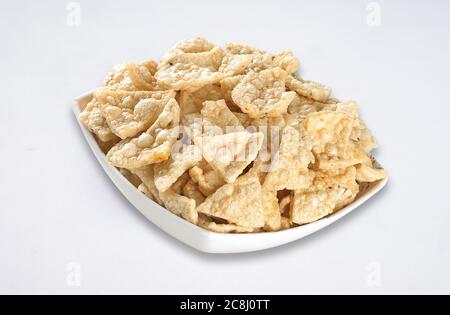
(58, 207)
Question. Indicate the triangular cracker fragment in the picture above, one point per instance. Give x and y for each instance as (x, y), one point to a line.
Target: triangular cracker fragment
(263, 93)
(208, 179)
(209, 224)
(190, 65)
(217, 114)
(192, 191)
(360, 133)
(328, 194)
(132, 77)
(146, 175)
(173, 202)
(368, 174)
(290, 166)
(239, 203)
(92, 118)
(286, 61)
(272, 215)
(167, 172)
(333, 165)
(242, 59)
(231, 153)
(227, 86)
(153, 146)
(177, 187)
(233, 65)
(302, 106)
(329, 132)
(129, 113)
(192, 102)
(180, 205)
(313, 90)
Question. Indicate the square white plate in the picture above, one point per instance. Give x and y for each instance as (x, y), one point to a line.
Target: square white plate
(199, 238)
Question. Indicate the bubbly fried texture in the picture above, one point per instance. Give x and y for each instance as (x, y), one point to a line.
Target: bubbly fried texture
(132, 77)
(232, 139)
(290, 166)
(231, 153)
(313, 90)
(129, 113)
(191, 65)
(327, 194)
(92, 118)
(239, 203)
(153, 146)
(168, 172)
(263, 93)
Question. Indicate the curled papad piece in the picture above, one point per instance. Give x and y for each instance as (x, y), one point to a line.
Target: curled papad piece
(231, 153)
(153, 146)
(239, 203)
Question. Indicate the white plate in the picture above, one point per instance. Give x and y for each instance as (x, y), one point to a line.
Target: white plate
(200, 238)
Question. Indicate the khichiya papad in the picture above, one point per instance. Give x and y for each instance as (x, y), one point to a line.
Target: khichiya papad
(231, 138)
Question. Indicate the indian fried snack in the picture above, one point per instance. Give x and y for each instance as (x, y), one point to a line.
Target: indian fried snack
(232, 139)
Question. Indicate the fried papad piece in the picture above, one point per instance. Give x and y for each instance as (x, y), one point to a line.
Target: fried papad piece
(177, 187)
(231, 153)
(172, 201)
(326, 195)
(263, 93)
(132, 77)
(207, 178)
(289, 168)
(192, 191)
(360, 133)
(209, 224)
(192, 102)
(190, 65)
(167, 172)
(330, 132)
(227, 86)
(272, 215)
(239, 203)
(130, 113)
(218, 119)
(180, 205)
(146, 175)
(368, 174)
(92, 118)
(153, 146)
(286, 61)
(241, 59)
(309, 89)
(333, 165)
(301, 107)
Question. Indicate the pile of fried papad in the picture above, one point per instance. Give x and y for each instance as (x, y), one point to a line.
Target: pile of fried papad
(231, 139)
